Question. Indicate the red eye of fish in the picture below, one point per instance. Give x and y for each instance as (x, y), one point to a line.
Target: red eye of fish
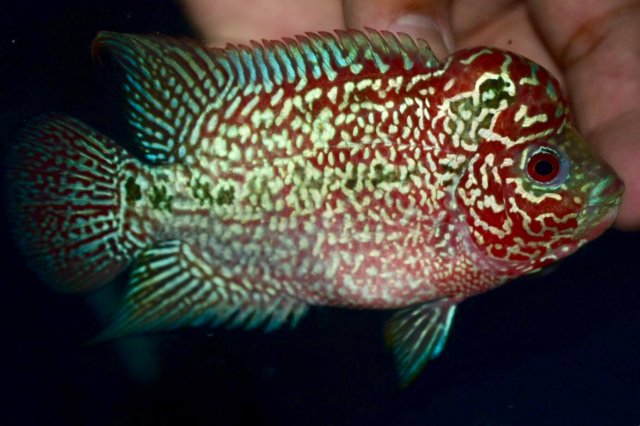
(544, 166)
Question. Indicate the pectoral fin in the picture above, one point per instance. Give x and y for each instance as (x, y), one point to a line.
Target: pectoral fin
(173, 286)
(418, 335)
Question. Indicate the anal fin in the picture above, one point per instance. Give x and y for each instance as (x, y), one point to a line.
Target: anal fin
(417, 335)
(173, 286)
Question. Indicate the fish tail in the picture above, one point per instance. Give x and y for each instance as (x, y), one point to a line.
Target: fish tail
(64, 203)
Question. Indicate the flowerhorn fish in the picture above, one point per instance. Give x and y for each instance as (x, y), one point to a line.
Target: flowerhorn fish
(348, 169)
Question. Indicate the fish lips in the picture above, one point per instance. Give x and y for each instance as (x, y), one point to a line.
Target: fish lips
(602, 208)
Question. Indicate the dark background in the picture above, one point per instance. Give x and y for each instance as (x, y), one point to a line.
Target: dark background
(559, 349)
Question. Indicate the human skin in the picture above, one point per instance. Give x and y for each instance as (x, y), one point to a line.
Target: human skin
(591, 46)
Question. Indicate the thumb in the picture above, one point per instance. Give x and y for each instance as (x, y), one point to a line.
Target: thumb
(426, 19)
(237, 21)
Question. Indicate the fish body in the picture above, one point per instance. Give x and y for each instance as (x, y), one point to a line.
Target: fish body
(349, 169)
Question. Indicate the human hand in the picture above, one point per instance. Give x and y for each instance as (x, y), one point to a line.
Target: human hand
(591, 46)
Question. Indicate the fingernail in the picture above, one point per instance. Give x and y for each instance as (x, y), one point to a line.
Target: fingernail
(426, 28)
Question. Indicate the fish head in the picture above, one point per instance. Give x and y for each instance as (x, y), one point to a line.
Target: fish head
(532, 191)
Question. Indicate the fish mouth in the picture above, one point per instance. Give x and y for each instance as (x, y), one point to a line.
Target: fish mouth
(602, 208)
(607, 192)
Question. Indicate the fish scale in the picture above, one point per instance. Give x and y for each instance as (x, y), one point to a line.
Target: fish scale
(348, 177)
(349, 169)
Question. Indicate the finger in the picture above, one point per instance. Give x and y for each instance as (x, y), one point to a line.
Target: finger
(504, 24)
(470, 16)
(596, 43)
(426, 19)
(617, 142)
(238, 21)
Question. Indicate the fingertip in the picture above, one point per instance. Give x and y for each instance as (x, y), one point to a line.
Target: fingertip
(426, 28)
(428, 20)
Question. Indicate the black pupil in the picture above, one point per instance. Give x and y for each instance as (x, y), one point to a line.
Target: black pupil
(543, 168)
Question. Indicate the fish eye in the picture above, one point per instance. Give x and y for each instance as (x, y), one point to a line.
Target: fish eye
(545, 166)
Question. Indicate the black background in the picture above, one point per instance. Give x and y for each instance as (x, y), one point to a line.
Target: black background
(560, 349)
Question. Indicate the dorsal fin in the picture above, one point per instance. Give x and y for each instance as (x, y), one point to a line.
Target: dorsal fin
(174, 86)
(327, 55)
(167, 83)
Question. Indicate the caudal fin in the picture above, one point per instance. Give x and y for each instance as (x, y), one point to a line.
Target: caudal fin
(64, 203)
